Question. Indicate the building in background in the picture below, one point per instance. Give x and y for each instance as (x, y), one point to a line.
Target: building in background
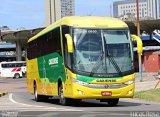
(126, 10)
(56, 9)
(7, 51)
(154, 8)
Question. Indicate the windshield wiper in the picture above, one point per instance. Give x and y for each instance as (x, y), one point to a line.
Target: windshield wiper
(96, 64)
(115, 65)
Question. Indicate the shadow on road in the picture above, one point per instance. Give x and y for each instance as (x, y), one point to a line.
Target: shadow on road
(91, 103)
(28, 98)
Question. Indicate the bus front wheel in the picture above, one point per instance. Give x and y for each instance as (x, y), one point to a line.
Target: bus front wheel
(37, 97)
(113, 102)
(63, 100)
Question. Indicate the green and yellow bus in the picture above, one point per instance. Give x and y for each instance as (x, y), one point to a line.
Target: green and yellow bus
(82, 58)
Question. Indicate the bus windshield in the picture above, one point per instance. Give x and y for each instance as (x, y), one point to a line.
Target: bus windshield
(102, 51)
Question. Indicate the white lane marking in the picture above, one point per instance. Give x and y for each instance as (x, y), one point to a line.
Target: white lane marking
(44, 107)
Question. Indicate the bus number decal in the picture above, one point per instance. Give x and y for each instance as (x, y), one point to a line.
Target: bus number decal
(92, 31)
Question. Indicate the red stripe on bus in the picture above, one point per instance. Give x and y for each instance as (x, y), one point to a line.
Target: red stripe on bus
(14, 69)
(18, 69)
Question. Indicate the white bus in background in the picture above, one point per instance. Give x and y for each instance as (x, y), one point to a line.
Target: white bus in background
(14, 69)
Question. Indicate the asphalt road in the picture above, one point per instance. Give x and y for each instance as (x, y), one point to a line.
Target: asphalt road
(20, 103)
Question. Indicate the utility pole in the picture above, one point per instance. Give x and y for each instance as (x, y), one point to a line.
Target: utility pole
(138, 33)
(55, 11)
(138, 21)
(50, 11)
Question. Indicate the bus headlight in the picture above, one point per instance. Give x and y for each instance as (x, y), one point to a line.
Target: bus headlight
(129, 82)
(80, 82)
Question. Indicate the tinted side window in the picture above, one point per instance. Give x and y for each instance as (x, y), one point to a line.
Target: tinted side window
(32, 49)
(4, 65)
(53, 41)
(57, 42)
(46, 44)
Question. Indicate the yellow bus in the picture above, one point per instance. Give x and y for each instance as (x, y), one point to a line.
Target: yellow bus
(82, 58)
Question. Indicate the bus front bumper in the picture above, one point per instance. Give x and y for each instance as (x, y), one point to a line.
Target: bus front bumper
(82, 92)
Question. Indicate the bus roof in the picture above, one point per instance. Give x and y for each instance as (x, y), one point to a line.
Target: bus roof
(85, 22)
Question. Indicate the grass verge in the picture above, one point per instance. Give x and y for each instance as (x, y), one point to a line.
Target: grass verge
(149, 95)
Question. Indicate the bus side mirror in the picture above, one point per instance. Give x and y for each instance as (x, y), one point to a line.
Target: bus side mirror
(69, 43)
(139, 43)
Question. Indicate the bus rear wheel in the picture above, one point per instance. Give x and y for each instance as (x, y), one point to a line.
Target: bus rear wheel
(63, 100)
(16, 75)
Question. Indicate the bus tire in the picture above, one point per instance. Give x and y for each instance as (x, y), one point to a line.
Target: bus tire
(16, 75)
(63, 100)
(38, 98)
(113, 102)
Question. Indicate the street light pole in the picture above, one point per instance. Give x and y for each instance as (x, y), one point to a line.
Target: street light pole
(55, 11)
(138, 21)
(138, 33)
(50, 11)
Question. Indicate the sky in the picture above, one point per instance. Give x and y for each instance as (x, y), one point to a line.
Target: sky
(29, 14)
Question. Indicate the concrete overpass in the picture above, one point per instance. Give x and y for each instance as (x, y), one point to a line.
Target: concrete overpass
(145, 25)
(20, 38)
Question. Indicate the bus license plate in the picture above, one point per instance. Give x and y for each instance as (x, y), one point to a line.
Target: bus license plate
(106, 93)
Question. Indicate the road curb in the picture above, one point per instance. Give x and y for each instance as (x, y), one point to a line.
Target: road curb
(2, 94)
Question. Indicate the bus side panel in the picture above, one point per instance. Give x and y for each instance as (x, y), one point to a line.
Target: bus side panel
(10, 72)
(32, 75)
(7, 72)
(51, 70)
(68, 85)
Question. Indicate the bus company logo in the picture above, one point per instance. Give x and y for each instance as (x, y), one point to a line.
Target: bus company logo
(53, 61)
(106, 80)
